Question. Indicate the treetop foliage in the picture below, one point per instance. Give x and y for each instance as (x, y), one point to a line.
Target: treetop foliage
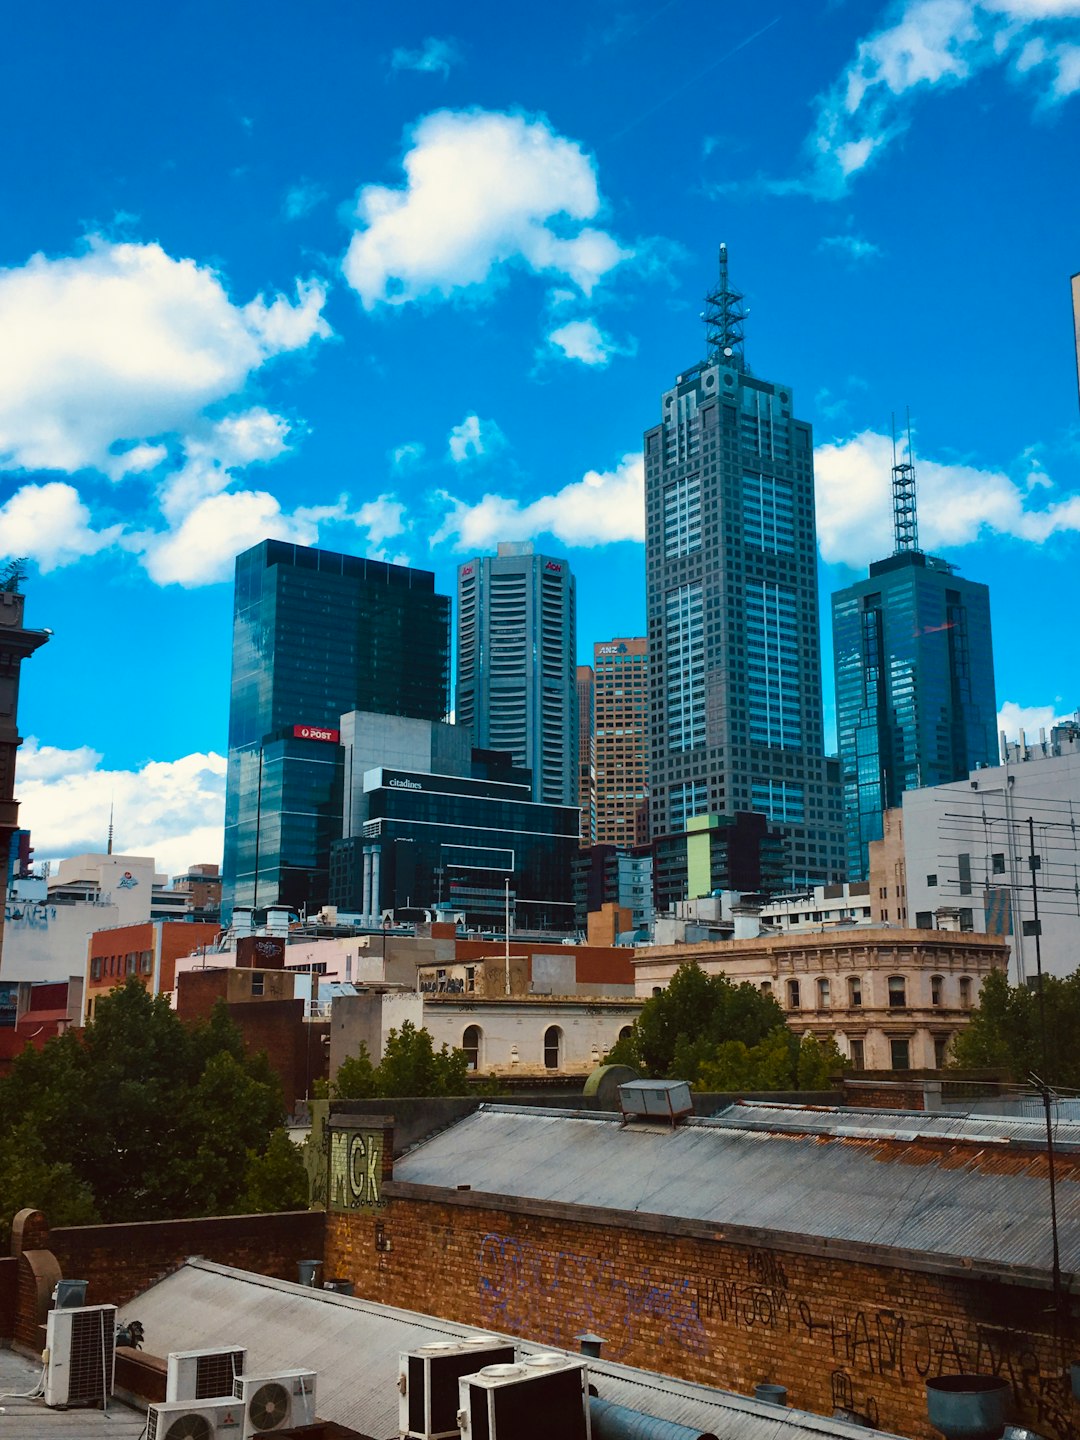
(1005, 1031)
(723, 1036)
(410, 1066)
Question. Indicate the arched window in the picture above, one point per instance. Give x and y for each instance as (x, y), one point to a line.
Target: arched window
(965, 992)
(793, 994)
(626, 1032)
(854, 990)
(552, 1047)
(470, 1043)
(897, 999)
(824, 994)
(937, 989)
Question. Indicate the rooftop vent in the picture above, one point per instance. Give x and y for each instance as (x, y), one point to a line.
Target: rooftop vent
(968, 1407)
(655, 1099)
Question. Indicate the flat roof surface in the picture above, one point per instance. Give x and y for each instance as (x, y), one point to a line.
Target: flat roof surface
(354, 1345)
(939, 1194)
(24, 1419)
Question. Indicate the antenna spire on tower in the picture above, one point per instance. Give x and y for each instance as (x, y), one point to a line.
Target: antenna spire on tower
(905, 517)
(724, 318)
(109, 851)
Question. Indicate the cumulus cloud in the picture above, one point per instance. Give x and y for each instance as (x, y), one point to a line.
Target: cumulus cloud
(482, 191)
(927, 45)
(173, 810)
(583, 340)
(601, 508)
(958, 503)
(383, 518)
(104, 352)
(434, 57)
(855, 247)
(51, 526)
(474, 437)
(1012, 718)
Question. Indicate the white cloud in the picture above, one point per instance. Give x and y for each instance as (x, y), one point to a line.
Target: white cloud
(104, 352)
(406, 457)
(855, 247)
(302, 198)
(583, 340)
(51, 526)
(171, 809)
(958, 503)
(1012, 718)
(930, 44)
(434, 57)
(600, 509)
(474, 437)
(483, 190)
(383, 518)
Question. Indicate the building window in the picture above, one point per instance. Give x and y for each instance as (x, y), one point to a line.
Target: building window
(997, 863)
(824, 996)
(626, 1032)
(964, 869)
(257, 982)
(95, 968)
(793, 994)
(147, 962)
(924, 920)
(858, 1058)
(900, 1054)
(765, 987)
(897, 992)
(965, 992)
(967, 919)
(470, 1043)
(941, 1048)
(937, 985)
(931, 880)
(854, 990)
(129, 962)
(552, 1047)
(470, 979)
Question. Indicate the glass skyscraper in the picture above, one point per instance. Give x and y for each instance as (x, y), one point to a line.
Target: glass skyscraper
(315, 634)
(731, 587)
(915, 699)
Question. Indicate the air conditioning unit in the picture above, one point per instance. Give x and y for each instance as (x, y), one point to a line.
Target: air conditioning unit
(542, 1396)
(428, 1382)
(80, 1345)
(219, 1419)
(276, 1402)
(204, 1374)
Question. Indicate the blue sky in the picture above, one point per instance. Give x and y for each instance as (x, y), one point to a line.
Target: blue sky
(407, 282)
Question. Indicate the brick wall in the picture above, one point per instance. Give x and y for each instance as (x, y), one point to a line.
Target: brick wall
(119, 1261)
(679, 1297)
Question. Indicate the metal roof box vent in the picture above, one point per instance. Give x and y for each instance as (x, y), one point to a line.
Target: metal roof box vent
(968, 1407)
(655, 1099)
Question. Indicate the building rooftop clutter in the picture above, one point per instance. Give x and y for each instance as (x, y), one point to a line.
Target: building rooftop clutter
(355, 1344)
(980, 1129)
(951, 1198)
(25, 1419)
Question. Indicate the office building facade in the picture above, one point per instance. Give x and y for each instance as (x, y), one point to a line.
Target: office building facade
(315, 635)
(915, 697)
(516, 664)
(735, 716)
(621, 711)
(586, 696)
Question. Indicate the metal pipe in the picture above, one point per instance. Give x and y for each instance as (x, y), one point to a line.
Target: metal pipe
(619, 1422)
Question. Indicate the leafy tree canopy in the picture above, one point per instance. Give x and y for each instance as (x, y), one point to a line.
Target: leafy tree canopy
(410, 1066)
(723, 1036)
(139, 1117)
(1006, 1031)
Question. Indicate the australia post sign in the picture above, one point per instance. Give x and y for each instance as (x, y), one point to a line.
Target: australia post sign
(316, 732)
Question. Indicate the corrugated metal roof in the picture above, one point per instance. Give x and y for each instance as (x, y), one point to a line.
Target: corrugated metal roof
(354, 1345)
(1028, 1125)
(961, 1200)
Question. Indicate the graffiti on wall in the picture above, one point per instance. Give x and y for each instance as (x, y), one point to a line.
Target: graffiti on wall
(523, 1285)
(28, 914)
(355, 1170)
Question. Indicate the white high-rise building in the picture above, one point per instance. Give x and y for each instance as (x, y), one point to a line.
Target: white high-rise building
(516, 665)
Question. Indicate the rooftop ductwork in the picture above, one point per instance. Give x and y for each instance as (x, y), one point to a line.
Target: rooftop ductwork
(968, 1407)
(618, 1422)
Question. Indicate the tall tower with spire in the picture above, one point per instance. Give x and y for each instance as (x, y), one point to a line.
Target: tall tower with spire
(914, 661)
(738, 771)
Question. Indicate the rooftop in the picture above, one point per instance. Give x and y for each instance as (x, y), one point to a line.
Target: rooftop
(943, 1191)
(25, 1419)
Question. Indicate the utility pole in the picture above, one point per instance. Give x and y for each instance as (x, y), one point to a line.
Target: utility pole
(507, 932)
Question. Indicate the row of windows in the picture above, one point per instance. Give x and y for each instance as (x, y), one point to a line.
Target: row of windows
(472, 1042)
(897, 992)
(137, 962)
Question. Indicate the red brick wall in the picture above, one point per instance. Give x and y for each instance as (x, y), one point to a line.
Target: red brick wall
(831, 1328)
(119, 1261)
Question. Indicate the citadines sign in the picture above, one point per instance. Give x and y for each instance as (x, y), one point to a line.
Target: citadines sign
(316, 732)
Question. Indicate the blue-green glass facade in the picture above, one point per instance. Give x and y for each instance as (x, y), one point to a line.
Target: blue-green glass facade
(315, 634)
(915, 698)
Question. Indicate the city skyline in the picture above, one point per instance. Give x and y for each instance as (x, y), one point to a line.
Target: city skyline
(407, 286)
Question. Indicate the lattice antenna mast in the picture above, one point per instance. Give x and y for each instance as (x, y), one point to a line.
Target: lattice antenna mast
(724, 319)
(905, 516)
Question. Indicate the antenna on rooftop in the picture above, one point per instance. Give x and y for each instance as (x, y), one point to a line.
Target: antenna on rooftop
(724, 318)
(109, 850)
(905, 518)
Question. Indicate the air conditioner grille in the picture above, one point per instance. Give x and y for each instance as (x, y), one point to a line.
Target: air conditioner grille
(215, 1374)
(268, 1408)
(189, 1427)
(92, 1343)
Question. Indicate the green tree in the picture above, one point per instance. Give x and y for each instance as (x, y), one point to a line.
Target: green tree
(29, 1178)
(1006, 1031)
(410, 1066)
(355, 1078)
(276, 1179)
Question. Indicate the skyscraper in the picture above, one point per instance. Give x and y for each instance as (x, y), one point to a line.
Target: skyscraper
(586, 687)
(621, 708)
(915, 699)
(516, 672)
(731, 586)
(315, 635)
